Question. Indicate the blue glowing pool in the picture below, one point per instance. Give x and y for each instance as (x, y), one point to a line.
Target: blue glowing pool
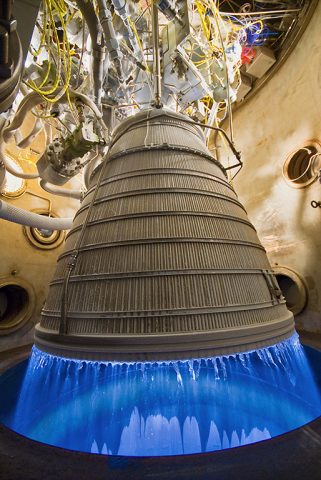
(164, 408)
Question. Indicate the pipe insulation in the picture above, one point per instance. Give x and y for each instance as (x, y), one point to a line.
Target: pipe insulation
(62, 192)
(110, 37)
(121, 8)
(157, 61)
(8, 130)
(33, 99)
(30, 101)
(98, 50)
(9, 166)
(29, 219)
(89, 169)
(28, 139)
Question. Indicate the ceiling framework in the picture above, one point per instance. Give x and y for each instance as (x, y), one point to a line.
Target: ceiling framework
(90, 65)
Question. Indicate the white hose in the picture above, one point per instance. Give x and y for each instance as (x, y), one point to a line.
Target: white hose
(29, 102)
(26, 141)
(7, 131)
(29, 219)
(89, 168)
(87, 101)
(33, 99)
(10, 167)
(63, 192)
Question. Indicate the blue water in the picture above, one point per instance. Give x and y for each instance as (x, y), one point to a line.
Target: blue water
(164, 408)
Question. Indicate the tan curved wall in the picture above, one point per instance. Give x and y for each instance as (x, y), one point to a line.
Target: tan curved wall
(19, 259)
(278, 119)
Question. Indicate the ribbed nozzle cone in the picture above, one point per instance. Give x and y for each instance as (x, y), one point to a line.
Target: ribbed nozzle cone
(162, 261)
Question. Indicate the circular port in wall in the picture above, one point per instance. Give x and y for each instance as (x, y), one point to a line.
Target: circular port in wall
(292, 287)
(17, 301)
(302, 166)
(43, 238)
(13, 187)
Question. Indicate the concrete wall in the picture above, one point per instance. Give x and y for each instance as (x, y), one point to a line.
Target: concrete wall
(22, 262)
(278, 119)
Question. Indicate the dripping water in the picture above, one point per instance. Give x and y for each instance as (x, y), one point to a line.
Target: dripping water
(165, 408)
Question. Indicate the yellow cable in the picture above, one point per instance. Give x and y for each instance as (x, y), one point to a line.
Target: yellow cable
(133, 26)
(67, 63)
(49, 60)
(200, 9)
(63, 55)
(32, 85)
(217, 20)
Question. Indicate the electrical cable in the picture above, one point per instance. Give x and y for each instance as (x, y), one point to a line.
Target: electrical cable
(263, 12)
(216, 17)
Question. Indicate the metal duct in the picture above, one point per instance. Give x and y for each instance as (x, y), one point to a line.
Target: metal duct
(162, 261)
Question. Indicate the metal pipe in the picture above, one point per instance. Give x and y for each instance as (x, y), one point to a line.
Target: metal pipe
(110, 37)
(62, 192)
(87, 101)
(9, 166)
(89, 168)
(98, 55)
(121, 8)
(29, 219)
(6, 10)
(157, 64)
(6, 131)
(30, 101)
(33, 99)
(227, 79)
(28, 139)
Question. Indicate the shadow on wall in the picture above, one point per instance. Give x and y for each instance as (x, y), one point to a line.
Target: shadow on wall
(28, 259)
(290, 230)
(310, 318)
(281, 117)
